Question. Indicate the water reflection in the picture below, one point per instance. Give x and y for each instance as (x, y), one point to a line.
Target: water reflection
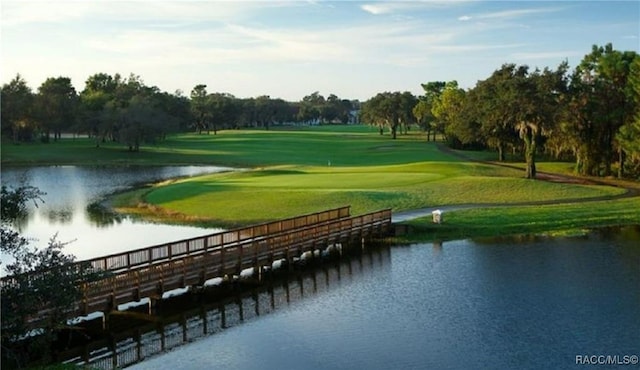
(507, 305)
(188, 318)
(72, 209)
(102, 216)
(70, 189)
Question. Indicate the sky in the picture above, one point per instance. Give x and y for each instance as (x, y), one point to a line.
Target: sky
(290, 49)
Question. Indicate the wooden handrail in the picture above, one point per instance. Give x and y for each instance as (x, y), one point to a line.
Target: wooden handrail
(180, 248)
(177, 249)
(195, 269)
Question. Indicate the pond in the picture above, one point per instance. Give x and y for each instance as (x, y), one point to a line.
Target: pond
(492, 303)
(66, 211)
(497, 304)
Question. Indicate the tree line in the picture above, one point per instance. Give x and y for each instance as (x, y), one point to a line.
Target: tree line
(590, 114)
(125, 110)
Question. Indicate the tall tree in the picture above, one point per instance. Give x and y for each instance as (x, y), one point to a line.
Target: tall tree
(223, 110)
(143, 120)
(390, 110)
(599, 106)
(16, 105)
(99, 90)
(628, 136)
(56, 104)
(200, 108)
(538, 96)
(265, 111)
(312, 108)
(422, 111)
(446, 108)
(496, 110)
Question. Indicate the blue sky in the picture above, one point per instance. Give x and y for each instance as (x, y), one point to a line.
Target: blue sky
(290, 49)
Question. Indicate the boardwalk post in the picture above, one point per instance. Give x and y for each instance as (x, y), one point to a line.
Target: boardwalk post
(272, 297)
(138, 339)
(147, 272)
(85, 299)
(240, 308)
(163, 342)
(240, 257)
(222, 261)
(183, 323)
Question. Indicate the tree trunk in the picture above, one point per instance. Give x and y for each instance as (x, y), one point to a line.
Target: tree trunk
(531, 164)
(500, 152)
(621, 158)
(528, 135)
(394, 128)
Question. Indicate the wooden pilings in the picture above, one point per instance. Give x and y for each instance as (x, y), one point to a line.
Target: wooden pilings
(153, 271)
(199, 320)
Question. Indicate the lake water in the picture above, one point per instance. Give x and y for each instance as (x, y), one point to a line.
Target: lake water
(70, 189)
(494, 303)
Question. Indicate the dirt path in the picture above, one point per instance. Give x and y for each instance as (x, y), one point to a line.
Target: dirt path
(541, 176)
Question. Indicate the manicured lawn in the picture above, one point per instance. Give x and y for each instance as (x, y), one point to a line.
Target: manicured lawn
(299, 170)
(560, 219)
(277, 192)
(317, 146)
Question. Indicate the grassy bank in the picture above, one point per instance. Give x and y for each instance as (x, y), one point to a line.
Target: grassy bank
(560, 219)
(312, 146)
(277, 192)
(295, 171)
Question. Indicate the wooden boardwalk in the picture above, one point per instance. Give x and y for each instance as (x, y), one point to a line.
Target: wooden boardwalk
(150, 272)
(209, 316)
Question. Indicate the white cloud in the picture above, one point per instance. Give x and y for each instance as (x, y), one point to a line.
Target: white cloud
(275, 47)
(508, 14)
(387, 7)
(16, 13)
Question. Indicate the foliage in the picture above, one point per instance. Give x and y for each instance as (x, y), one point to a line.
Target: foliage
(41, 285)
(422, 111)
(589, 115)
(55, 106)
(393, 110)
(447, 108)
(601, 103)
(628, 136)
(17, 110)
(314, 108)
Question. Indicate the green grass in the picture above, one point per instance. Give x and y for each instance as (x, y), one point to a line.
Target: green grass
(559, 219)
(277, 192)
(292, 171)
(317, 146)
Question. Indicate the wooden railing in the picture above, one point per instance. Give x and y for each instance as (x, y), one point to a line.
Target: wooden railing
(153, 280)
(178, 249)
(149, 272)
(193, 246)
(134, 344)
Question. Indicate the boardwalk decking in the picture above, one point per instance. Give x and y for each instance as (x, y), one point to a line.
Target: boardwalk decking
(207, 317)
(150, 272)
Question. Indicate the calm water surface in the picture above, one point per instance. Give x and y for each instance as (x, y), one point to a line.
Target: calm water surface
(70, 189)
(496, 304)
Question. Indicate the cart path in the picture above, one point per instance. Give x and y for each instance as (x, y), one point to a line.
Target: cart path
(542, 176)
